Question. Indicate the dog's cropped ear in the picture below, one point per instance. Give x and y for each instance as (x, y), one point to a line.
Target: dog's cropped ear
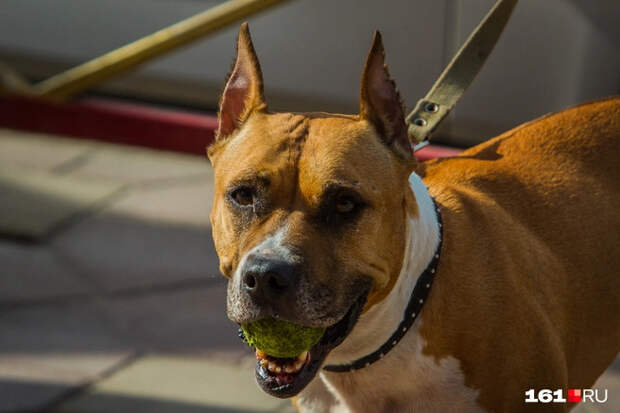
(380, 102)
(243, 92)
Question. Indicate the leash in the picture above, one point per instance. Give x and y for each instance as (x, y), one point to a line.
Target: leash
(422, 121)
(458, 75)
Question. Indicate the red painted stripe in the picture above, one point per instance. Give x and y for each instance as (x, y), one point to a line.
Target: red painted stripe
(111, 121)
(436, 151)
(127, 123)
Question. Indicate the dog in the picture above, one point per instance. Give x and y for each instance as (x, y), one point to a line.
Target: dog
(453, 285)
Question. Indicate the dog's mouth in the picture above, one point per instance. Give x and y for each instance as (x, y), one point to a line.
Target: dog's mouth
(286, 377)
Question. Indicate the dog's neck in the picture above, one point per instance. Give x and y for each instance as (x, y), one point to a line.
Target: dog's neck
(377, 324)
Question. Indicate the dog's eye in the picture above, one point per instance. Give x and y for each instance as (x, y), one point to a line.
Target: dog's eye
(345, 204)
(340, 206)
(243, 196)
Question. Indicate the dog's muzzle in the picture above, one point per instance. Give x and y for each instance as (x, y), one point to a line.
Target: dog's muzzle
(269, 280)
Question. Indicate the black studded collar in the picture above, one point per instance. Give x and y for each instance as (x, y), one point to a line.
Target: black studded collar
(418, 297)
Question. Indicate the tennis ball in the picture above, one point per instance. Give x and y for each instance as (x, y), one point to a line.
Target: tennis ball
(279, 338)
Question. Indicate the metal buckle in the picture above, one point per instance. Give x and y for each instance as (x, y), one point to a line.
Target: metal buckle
(420, 145)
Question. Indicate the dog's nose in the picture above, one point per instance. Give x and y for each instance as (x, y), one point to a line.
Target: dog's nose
(268, 277)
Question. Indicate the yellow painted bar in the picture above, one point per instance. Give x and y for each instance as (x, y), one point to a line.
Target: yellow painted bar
(81, 77)
(12, 82)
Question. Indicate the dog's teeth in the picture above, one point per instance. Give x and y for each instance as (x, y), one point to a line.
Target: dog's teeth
(275, 367)
(303, 356)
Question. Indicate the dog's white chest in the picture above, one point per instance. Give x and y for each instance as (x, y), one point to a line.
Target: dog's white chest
(406, 381)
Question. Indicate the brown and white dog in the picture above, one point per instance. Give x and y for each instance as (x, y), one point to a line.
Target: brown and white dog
(328, 220)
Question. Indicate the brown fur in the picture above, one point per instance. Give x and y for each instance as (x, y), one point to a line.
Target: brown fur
(335, 150)
(527, 291)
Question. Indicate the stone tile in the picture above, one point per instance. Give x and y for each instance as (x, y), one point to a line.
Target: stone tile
(66, 327)
(33, 203)
(152, 235)
(182, 385)
(18, 396)
(189, 321)
(130, 164)
(39, 151)
(63, 368)
(47, 350)
(90, 159)
(121, 252)
(30, 273)
(184, 203)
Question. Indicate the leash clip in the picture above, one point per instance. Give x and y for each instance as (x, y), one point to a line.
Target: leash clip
(457, 76)
(423, 120)
(417, 146)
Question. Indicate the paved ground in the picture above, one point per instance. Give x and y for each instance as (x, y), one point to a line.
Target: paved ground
(120, 308)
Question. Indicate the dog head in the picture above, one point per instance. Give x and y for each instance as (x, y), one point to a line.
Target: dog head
(310, 208)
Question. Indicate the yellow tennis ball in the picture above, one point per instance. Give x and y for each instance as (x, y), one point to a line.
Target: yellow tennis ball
(279, 338)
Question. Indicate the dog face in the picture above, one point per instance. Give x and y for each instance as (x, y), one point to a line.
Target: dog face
(309, 209)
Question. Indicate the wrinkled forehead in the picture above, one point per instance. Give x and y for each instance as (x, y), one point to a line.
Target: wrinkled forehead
(346, 152)
(264, 141)
(313, 149)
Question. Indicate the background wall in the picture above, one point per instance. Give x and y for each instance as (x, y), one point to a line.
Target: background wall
(554, 53)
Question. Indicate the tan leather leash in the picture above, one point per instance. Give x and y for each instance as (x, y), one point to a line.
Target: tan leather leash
(458, 75)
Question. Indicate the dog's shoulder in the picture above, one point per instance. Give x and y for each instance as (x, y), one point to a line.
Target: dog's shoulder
(562, 148)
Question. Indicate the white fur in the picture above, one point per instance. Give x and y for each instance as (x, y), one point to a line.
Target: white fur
(270, 245)
(405, 380)
(377, 324)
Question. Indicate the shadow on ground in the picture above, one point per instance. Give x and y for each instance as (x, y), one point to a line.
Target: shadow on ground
(118, 403)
